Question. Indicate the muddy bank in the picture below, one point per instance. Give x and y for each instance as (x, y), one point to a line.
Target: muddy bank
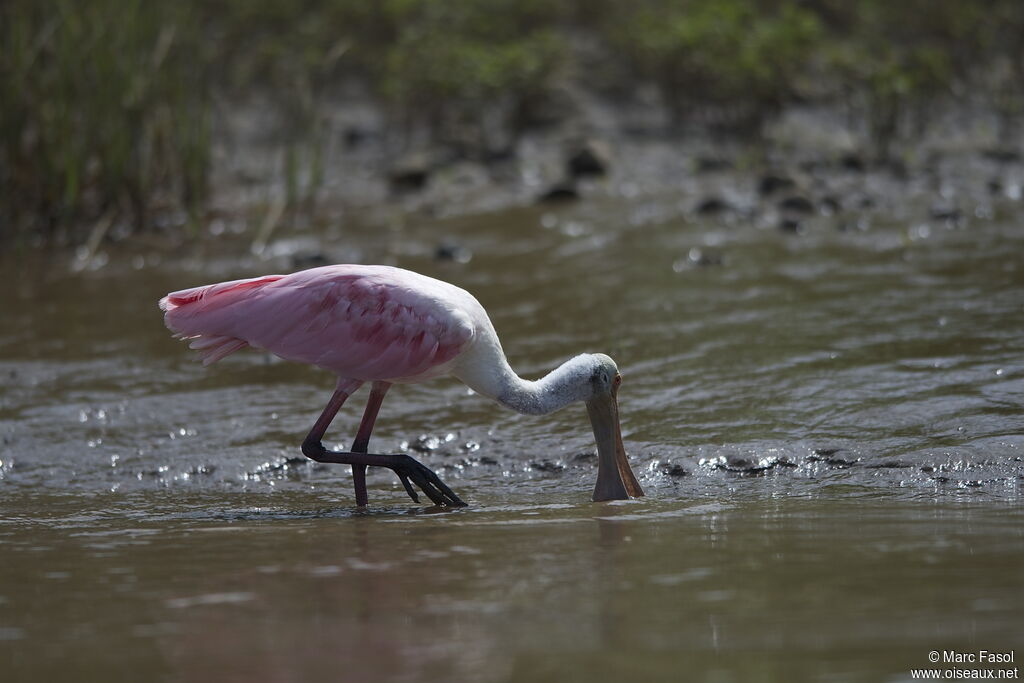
(121, 119)
(809, 170)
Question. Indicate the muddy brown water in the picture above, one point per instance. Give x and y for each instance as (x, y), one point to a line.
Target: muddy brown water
(828, 426)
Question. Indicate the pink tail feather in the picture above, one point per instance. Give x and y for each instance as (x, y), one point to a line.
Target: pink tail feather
(187, 296)
(195, 314)
(213, 353)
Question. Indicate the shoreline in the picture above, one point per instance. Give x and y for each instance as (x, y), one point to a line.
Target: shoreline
(809, 168)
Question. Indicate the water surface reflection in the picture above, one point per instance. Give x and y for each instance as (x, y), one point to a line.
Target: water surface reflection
(828, 428)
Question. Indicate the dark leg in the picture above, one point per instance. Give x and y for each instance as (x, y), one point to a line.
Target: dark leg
(407, 468)
(362, 441)
(316, 434)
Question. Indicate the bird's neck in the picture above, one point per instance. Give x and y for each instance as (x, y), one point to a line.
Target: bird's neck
(554, 391)
(539, 397)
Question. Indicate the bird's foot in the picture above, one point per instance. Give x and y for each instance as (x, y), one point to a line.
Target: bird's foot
(410, 471)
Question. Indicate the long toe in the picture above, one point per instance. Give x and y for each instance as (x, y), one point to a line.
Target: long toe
(409, 469)
(450, 498)
(437, 490)
(408, 487)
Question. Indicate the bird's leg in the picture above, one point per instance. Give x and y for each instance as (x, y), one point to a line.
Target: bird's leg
(407, 468)
(313, 447)
(362, 441)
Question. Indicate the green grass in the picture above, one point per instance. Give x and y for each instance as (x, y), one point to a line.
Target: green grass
(105, 105)
(742, 57)
(104, 109)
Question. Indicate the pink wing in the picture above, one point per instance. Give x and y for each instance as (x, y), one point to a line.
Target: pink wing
(363, 323)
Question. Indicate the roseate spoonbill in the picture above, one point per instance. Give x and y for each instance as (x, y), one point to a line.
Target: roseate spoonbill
(387, 325)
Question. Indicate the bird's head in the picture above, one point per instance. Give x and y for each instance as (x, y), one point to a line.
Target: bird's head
(615, 480)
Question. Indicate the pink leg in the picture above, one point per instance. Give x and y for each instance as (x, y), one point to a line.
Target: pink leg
(409, 471)
(362, 441)
(344, 389)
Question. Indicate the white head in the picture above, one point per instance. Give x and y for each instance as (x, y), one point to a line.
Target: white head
(582, 378)
(594, 379)
(615, 480)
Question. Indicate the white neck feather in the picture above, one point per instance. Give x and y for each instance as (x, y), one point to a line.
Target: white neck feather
(554, 391)
(568, 383)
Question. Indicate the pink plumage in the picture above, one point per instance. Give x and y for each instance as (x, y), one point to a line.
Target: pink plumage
(361, 322)
(387, 325)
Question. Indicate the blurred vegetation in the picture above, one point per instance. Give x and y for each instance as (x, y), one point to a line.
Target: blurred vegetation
(106, 106)
(894, 61)
(99, 111)
(737, 59)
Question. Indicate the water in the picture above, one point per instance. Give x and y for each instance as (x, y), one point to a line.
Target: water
(828, 426)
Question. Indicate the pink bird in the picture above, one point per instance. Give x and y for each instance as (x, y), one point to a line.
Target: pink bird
(391, 326)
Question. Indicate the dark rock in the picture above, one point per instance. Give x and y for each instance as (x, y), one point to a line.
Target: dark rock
(411, 172)
(742, 465)
(547, 466)
(828, 456)
(831, 204)
(356, 137)
(590, 160)
(563, 191)
(672, 469)
(797, 204)
(284, 466)
(1002, 155)
(704, 259)
(736, 464)
(408, 179)
(712, 164)
(303, 261)
(712, 206)
(498, 155)
(452, 251)
(426, 443)
(995, 186)
(852, 162)
(791, 225)
(771, 183)
(950, 214)
(841, 463)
